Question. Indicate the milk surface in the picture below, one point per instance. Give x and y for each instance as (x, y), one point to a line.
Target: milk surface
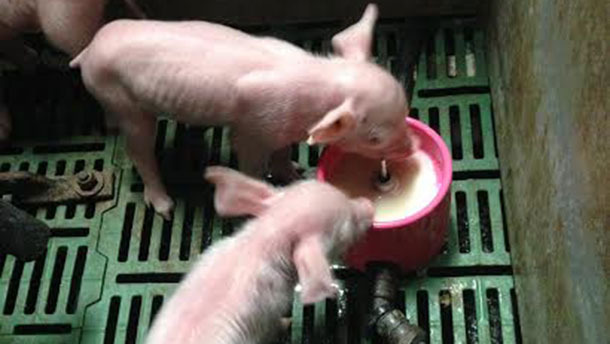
(415, 183)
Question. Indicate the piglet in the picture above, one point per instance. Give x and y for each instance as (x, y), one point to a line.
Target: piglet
(69, 25)
(241, 287)
(269, 92)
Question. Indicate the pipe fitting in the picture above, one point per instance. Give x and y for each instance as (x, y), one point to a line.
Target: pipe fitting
(387, 321)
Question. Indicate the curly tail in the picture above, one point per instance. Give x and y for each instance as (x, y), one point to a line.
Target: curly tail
(75, 63)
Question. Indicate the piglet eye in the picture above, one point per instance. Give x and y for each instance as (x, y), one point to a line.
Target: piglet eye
(374, 140)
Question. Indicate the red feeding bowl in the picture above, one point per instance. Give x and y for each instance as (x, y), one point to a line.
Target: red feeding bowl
(410, 242)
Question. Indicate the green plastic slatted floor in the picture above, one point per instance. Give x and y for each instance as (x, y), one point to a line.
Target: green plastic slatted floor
(110, 265)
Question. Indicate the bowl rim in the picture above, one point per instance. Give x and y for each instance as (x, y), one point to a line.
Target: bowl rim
(446, 175)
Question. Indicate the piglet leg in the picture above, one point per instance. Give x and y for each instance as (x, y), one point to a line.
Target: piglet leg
(13, 49)
(110, 123)
(252, 155)
(139, 129)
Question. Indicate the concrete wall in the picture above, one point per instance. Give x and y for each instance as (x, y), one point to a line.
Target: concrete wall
(550, 78)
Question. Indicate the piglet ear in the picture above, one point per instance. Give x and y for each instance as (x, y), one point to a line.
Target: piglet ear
(313, 270)
(334, 125)
(355, 42)
(237, 194)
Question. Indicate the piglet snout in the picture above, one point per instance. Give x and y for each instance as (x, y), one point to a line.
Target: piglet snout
(403, 146)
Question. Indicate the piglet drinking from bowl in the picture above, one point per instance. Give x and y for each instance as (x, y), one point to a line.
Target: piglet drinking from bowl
(241, 287)
(269, 92)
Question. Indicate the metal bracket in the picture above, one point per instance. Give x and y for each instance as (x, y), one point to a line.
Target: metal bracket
(33, 189)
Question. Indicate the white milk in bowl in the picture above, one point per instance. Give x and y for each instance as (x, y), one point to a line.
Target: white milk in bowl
(414, 183)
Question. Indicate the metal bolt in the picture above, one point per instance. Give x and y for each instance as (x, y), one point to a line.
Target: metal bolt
(83, 176)
(86, 180)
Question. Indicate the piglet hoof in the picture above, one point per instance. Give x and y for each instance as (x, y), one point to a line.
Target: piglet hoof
(162, 204)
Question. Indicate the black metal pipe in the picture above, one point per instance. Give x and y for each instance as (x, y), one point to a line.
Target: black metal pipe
(387, 321)
(415, 34)
(21, 234)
